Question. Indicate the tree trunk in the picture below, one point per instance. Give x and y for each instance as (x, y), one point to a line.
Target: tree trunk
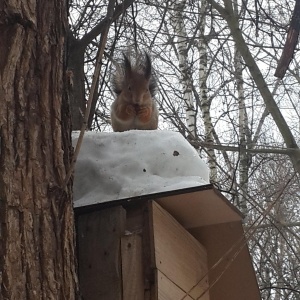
(177, 22)
(205, 101)
(37, 226)
(76, 82)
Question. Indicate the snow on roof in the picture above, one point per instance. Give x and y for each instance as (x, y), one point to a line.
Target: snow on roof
(113, 166)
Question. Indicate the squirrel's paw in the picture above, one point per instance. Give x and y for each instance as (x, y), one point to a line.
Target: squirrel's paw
(144, 114)
(130, 110)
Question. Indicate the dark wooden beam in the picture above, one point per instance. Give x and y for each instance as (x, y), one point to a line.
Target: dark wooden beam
(99, 254)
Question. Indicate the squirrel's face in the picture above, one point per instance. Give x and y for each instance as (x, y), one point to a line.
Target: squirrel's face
(136, 90)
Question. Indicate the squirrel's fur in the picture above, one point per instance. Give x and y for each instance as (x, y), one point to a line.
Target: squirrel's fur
(134, 86)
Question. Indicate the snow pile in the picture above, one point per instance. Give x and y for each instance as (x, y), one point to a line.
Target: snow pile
(114, 166)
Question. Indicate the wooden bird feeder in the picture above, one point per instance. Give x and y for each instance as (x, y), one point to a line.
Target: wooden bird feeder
(168, 246)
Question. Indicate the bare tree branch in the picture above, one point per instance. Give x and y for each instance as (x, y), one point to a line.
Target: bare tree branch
(290, 44)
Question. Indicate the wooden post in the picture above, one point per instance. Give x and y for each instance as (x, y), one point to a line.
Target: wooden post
(132, 267)
(99, 239)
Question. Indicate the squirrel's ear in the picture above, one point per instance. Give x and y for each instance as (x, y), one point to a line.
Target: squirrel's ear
(127, 65)
(148, 68)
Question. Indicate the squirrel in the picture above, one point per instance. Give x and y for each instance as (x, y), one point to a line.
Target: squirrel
(134, 86)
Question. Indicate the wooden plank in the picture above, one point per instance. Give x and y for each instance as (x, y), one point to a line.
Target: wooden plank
(148, 254)
(200, 208)
(137, 222)
(167, 290)
(132, 267)
(178, 255)
(99, 260)
(239, 278)
(134, 219)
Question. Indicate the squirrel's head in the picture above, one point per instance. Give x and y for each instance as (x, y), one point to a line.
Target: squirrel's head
(136, 84)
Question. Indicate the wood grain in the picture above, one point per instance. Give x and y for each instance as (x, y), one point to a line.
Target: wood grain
(99, 259)
(178, 255)
(132, 267)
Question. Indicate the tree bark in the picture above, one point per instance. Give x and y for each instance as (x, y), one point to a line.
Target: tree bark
(205, 101)
(36, 214)
(177, 22)
(76, 82)
(244, 157)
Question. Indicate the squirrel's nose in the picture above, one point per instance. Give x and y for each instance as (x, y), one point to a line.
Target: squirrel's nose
(136, 100)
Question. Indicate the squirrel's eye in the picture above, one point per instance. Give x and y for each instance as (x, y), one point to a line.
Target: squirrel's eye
(129, 88)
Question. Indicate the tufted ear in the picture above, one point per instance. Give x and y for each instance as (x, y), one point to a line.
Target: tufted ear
(148, 67)
(127, 65)
(149, 76)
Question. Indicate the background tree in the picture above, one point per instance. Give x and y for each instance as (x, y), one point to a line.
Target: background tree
(37, 259)
(86, 29)
(215, 63)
